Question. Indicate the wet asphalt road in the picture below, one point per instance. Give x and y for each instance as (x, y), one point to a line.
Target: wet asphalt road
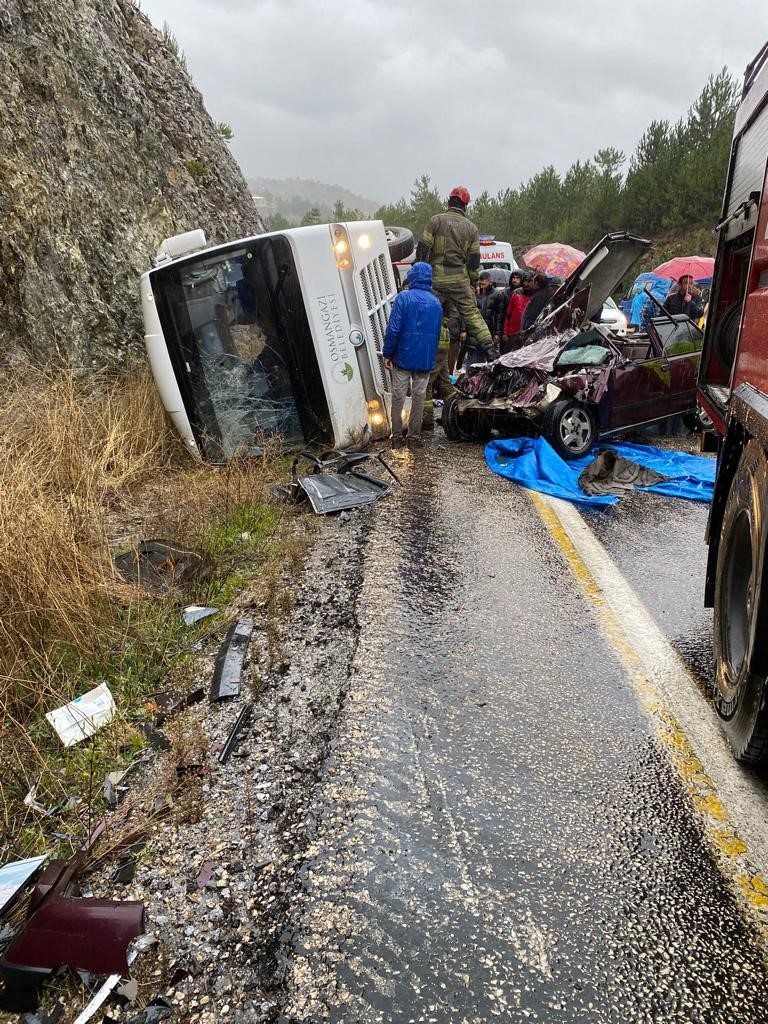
(500, 835)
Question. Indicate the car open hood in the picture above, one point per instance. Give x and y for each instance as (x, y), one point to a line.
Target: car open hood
(601, 270)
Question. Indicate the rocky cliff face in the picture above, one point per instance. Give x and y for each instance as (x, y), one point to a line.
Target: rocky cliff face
(105, 149)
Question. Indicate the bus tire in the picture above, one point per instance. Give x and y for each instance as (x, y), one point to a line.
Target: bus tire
(739, 694)
(400, 242)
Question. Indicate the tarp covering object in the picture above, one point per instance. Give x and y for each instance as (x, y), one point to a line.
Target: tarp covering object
(533, 463)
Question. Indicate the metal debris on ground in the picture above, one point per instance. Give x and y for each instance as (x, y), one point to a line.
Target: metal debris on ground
(30, 801)
(229, 661)
(14, 876)
(83, 716)
(160, 565)
(112, 782)
(241, 724)
(337, 483)
(205, 874)
(62, 928)
(194, 613)
(101, 996)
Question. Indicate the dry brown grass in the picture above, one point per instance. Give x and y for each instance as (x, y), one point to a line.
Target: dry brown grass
(65, 446)
(87, 465)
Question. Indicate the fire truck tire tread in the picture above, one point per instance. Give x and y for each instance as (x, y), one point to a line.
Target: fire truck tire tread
(740, 696)
(727, 336)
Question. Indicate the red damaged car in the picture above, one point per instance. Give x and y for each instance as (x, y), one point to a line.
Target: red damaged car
(574, 380)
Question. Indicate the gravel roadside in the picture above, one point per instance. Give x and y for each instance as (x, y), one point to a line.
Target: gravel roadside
(218, 889)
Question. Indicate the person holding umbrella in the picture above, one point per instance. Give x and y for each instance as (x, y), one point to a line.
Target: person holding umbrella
(685, 299)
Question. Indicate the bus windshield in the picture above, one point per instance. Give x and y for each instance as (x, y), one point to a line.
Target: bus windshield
(241, 347)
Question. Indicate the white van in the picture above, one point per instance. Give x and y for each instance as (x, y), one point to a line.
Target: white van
(277, 334)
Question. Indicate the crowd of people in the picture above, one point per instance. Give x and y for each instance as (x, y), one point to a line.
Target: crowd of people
(451, 314)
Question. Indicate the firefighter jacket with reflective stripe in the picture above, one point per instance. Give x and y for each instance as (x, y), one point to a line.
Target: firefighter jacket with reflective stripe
(451, 244)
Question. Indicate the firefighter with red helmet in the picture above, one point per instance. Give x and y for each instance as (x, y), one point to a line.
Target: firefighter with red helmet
(451, 245)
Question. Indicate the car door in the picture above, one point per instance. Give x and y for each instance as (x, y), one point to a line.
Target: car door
(682, 352)
(639, 389)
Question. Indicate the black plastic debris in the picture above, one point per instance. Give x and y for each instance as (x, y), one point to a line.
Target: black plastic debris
(187, 967)
(229, 661)
(337, 483)
(241, 724)
(159, 1009)
(160, 565)
(125, 868)
(153, 736)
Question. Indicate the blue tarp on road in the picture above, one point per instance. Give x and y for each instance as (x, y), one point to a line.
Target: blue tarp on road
(533, 463)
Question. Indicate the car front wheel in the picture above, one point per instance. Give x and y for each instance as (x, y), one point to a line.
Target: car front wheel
(740, 694)
(470, 425)
(570, 428)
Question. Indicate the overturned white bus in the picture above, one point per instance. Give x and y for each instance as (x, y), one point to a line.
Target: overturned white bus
(277, 334)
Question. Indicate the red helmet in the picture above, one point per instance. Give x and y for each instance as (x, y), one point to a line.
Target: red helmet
(462, 193)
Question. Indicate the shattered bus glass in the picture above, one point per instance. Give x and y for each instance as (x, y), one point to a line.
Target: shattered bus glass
(241, 347)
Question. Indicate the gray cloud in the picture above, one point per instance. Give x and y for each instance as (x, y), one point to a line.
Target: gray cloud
(368, 94)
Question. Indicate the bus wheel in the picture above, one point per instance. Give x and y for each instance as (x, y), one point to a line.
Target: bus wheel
(471, 426)
(739, 694)
(400, 242)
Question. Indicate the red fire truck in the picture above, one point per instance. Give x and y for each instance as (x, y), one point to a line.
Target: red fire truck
(733, 389)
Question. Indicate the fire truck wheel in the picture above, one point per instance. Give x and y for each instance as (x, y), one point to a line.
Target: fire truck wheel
(727, 336)
(400, 242)
(471, 426)
(739, 694)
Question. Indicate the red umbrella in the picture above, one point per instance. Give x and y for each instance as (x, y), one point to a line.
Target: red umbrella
(699, 267)
(553, 258)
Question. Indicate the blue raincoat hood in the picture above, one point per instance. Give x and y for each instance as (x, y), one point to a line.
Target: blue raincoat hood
(420, 276)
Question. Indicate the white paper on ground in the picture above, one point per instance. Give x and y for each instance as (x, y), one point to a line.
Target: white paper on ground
(194, 612)
(81, 718)
(14, 875)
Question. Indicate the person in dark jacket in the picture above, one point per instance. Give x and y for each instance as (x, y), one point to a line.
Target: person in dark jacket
(410, 349)
(543, 292)
(490, 302)
(515, 282)
(685, 299)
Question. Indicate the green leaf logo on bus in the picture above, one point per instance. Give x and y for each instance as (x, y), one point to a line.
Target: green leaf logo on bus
(343, 371)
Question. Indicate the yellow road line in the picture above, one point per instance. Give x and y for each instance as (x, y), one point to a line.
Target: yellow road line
(731, 852)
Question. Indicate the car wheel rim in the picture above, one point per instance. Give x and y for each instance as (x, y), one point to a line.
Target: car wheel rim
(738, 596)
(576, 430)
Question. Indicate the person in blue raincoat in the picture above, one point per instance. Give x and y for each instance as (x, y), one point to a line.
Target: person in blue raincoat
(410, 350)
(643, 307)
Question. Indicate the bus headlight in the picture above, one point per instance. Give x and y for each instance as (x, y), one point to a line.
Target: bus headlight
(341, 247)
(364, 241)
(375, 414)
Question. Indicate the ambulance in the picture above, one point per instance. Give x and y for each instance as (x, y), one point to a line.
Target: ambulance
(493, 255)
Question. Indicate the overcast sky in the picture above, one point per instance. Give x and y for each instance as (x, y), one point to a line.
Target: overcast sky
(368, 94)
